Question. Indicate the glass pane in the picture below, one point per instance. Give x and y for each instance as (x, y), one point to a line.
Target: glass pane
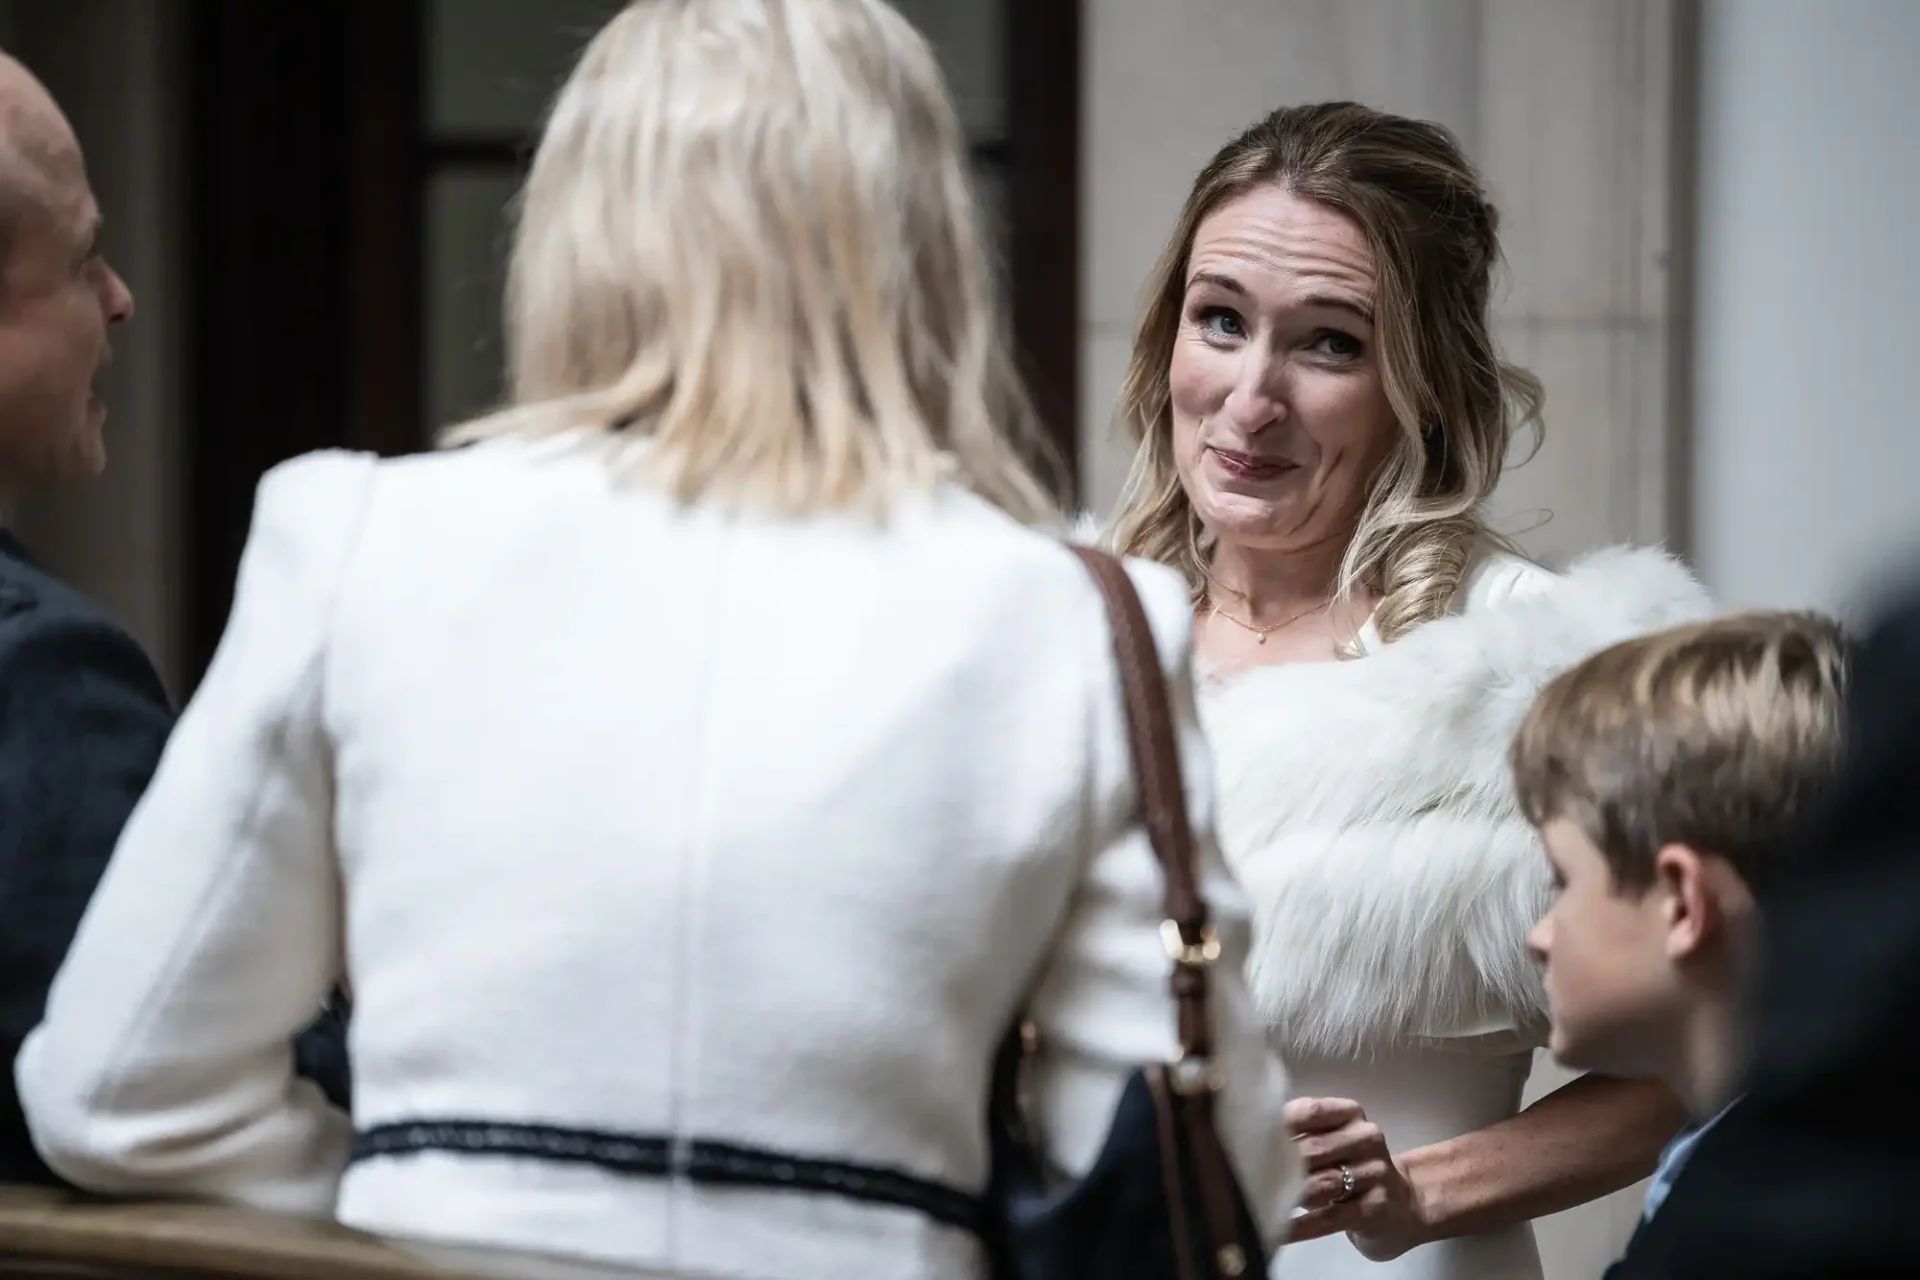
(967, 36)
(990, 191)
(492, 65)
(466, 253)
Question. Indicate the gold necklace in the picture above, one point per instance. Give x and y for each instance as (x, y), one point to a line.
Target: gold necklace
(1260, 631)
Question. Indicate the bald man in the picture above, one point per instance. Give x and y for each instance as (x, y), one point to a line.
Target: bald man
(83, 717)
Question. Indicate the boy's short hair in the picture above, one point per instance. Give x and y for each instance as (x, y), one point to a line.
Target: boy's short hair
(1719, 735)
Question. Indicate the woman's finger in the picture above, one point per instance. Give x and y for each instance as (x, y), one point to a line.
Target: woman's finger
(1351, 1144)
(1327, 1187)
(1329, 1221)
(1316, 1115)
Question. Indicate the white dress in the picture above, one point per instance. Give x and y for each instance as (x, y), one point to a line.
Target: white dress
(1366, 806)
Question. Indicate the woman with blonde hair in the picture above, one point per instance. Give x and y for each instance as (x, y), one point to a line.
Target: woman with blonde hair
(696, 774)
(1321, 417)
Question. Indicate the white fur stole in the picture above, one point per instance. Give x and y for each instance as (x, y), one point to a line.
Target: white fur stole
(1366, 806)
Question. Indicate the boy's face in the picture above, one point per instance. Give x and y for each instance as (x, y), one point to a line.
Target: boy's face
(1612, 983)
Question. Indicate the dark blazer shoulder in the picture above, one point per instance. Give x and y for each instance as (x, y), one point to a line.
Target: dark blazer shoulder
(84, 719)
(22, 582)
(34, 602)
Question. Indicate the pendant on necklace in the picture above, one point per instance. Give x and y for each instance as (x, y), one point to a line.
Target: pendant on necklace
(1263, 637)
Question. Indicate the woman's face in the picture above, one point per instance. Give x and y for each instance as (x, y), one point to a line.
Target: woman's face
(1280, 416)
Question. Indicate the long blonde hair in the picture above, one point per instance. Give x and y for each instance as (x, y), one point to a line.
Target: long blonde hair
(749, 238)
(1434, 236)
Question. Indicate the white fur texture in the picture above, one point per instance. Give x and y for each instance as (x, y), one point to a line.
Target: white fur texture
(1367, 807)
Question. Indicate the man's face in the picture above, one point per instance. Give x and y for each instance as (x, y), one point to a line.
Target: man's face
(58, 296)
(1611, 981)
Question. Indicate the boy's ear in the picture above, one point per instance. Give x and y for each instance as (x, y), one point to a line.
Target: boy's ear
(1695, 892)
(1682, 896)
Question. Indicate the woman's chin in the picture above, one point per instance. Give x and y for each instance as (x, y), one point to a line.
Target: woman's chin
(1242, 520)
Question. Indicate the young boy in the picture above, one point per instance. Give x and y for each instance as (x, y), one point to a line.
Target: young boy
(1667, 775)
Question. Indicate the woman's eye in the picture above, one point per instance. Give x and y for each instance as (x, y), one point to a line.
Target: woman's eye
(1218, 322)
(1341, 346)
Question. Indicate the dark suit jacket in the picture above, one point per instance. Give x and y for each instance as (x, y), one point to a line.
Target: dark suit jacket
(1817, 1172)
(83, 719)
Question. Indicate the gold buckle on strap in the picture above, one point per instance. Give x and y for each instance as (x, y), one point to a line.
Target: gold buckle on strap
(1196, 955)
(1190, 1073)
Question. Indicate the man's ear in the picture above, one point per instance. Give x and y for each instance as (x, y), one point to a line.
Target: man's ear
(1685, 894)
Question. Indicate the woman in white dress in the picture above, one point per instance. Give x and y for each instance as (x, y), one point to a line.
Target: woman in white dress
(1321, 416)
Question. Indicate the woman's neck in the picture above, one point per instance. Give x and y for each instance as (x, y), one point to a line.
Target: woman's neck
(1267, 585)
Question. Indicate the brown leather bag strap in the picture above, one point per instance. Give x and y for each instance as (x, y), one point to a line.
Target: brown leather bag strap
(1185, 1088)
(1163, 801)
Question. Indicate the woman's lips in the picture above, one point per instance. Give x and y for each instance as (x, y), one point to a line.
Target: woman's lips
(1247, 466)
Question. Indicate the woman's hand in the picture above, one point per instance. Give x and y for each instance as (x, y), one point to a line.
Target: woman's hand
(1353, 1182)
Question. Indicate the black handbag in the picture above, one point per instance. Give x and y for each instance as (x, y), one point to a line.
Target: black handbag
(1161, 1201)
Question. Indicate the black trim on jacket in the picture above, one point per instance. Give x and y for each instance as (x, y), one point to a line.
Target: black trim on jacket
(699, 1160)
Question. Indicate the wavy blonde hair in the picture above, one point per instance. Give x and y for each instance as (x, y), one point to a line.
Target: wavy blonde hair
(1434, 235)
(750, 239)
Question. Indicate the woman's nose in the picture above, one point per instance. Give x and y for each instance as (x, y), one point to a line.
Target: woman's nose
(1254, 402)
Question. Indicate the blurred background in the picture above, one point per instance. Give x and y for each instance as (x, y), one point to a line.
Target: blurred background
(1709, 210)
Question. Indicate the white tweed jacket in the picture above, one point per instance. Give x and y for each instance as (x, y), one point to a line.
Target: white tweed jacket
(662, 848)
